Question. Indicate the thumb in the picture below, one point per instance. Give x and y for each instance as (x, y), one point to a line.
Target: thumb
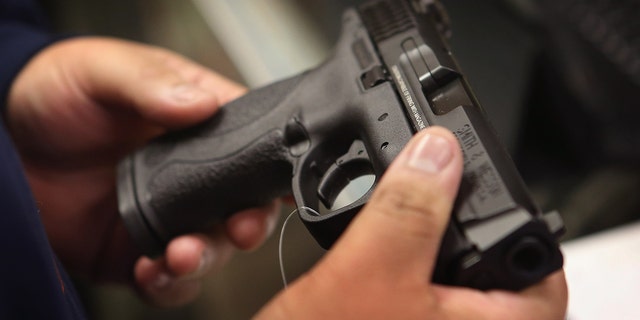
(162, 87)
(399, 230)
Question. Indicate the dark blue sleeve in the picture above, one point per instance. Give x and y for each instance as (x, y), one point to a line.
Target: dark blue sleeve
(33, 284)
(23, 32)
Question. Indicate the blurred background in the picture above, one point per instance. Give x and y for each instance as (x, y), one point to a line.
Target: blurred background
(559, 79)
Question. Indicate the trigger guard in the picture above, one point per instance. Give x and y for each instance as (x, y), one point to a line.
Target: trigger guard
(338, 178)
(353, 164)
(327, 228)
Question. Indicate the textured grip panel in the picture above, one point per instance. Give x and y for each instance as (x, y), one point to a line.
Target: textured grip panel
(233, 116)
(198, 193)
(189, 180)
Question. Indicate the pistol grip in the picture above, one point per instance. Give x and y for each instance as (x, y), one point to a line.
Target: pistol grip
(189, 180)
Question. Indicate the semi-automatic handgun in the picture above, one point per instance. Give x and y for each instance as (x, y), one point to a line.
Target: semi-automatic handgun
(391, 75)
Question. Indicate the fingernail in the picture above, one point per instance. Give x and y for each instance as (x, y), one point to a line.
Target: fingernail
(162, 281)
(431, 155)
(272, 222)
(206, 261)
(186, 93)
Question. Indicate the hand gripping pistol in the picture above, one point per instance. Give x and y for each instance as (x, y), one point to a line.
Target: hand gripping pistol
(391, 75)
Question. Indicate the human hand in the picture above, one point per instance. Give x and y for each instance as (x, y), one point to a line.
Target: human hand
(74, 111)
(381, 267)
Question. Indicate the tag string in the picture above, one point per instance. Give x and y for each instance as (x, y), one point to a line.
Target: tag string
(281, 241)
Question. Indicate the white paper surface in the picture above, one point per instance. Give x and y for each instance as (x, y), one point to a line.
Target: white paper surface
(603, 274)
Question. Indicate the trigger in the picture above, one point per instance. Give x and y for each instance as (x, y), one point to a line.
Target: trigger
(355, 163)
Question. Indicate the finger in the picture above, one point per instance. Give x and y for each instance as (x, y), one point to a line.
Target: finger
(160, 288)
(225, 89)
(551, 295)
(174, 279)
(399, 230)
(190, 255)
(289, 200)
(545, 300)
(159, 85)
(250, 228)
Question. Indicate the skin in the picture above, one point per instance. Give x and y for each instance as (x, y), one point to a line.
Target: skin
(81, 105)
(74, 111)
(381, 267)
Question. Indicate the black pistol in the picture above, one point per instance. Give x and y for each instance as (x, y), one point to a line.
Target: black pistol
(391, 75)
